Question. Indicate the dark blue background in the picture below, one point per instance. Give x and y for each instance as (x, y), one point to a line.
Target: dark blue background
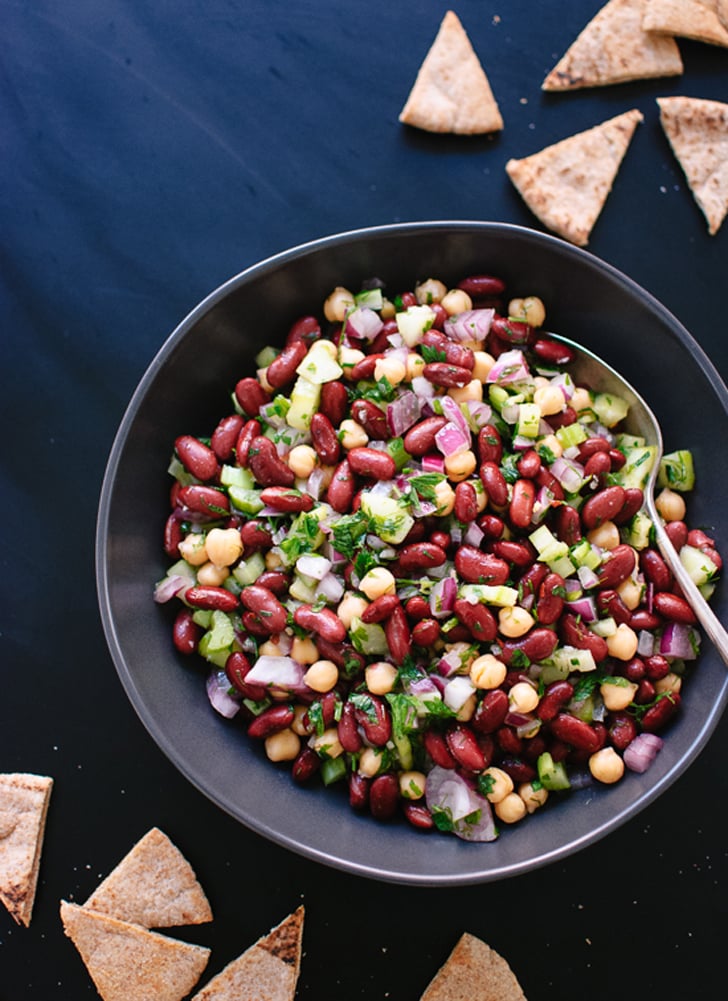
(149, 152)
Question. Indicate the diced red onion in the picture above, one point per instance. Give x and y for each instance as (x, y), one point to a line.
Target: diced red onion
(218, 692)
(363, 324)
(645, 643)
(331, 588)
(642, 751)
(470, 325)
(587, 577)
(315, 482)
(442, 597)
(584, 607)
(171, 586)
(570, 474)
(433, 463)
(541, 505)
(479, 413)
(313, 565)
(510, 413)
(457, 692)
(448, 792)
(452, 411)
(423, 388)
(679, 641)
(450, 439)
(449, 664)
(403, 412)
(279, 672)
(422, 687)
(565, 383)
(521, 443)
(509, 367)
(474, 535)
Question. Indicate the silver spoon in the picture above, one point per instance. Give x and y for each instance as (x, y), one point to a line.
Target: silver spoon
(592, 371)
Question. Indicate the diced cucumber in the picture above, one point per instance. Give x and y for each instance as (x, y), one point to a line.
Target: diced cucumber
(552, 774)
(552, 551)
(305, 399)
(571, 658)
(571, 435)
(265, 357)
(489, 594)
(583, 554)
(390, 520)
(301, 590)
(610, 409)
(413, 322)
(604, 627)
(372, 298)
(395, 447)
(624, 441)
(248, 571)
(529, 419)
(237, 476)
(368, 637)
(333, 769)
(636, 532)
(319, 365)
(699, 566)
(245, 500)
(637, 468)
(677, 471)
(202, 617)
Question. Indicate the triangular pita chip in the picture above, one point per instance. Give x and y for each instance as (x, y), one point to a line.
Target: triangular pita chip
(696, 19)
(128, 963)
(567, 184)
(722, 12)
(452, 92)
(474, 972)
(153, 886)
(614, 48)
(267, 971)
(697, 130)
(23, 808)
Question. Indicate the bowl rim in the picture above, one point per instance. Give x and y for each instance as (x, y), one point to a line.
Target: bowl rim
(204, 306)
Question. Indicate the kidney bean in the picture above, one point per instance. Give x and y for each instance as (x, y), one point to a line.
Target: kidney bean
(334, 402)
(372, 463)
(575, 732)
(602, 507)
(225, 436)
(255, 626)
(466, 502)
(346, 658)
(271, 721)
(514, 332)
(426, 632)
(397, 633)
(372, 419)
(677, 532)
(331, 707)
(364, 369)
(203, 499)
(659, 714)
(529, 465)
(622, 730)
(476, 567)
(617, 566)
(490, 446)
(532, 579)
(266, 606)
(286, 499)
(248, 433)
(522, 501)
(673, 607)
(550, 603)
(267, 466)
(553, 700)
(482, 286)
(340, 491)
(384, 796)
(323, 622)
(464, 748)
(305, 328)
(518, 769)
(490, 712)
(656, 667)
(494, 483)
(545, 478)
(618, 458)
(477, 618)
(441, 373)
(417, 607)
(567, 524)
(646, 692)
(255, 537)
(597, 465)
(634, 669)
(376, 723)
(347, 729)
(305, 766)
(591, 446)
(185, 632)
(324, 439)
(276, 581)
(698, 539)
(420, 439)
(576, 633)
(421, 556)
(213, 598)
(561, 420)
(508, 740)
(491, 526)
(454, 353)
(519, 553)
(538, 644)
(655, 569)
(610, 603)
(380, 609)
(436, 746)
(418, 815)
(282, 369)
(552, 351)
(172, 536)
(251, 396)
(359, 791)
(237, 667)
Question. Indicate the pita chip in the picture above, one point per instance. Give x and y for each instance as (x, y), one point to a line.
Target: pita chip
(697, 130)
(267, 971)
(722, 12)
(614, 48)
(128, 963)
(474, 972)
(153, 886)
(695, 19)
(452, 92)
(567, 184)
(23, 808)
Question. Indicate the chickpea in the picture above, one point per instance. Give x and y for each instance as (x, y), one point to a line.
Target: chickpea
(352, 435)
(380, 677)
(514, 622)
(630, 592)
(522, 697)
(210, 575)
(302, 460)
(224, 546)
(531, 309)
(472, 390)
(581, 400)
(444, 498)
(304, 650)
(533, 798)
(391, 369)
(501, 784)
(467, 709)
(193, 549)
(415, 365)
(370, 761)
(388, 310)
(484, 362)
(351, 607)
(488, 672)
(269, 649)
(430, 291)
(670, 683)
(412, 785)
(327, 744)
(617, 696)
(456, 301)
(337, 304)
(549, 399)
(606, 765)
(273, 560)
(348, 358)
(283, 745)
(322, 675)
(670, 505)
(623, 643)
(376, 582)
(460, 465)
(301, 724)
(552, 443)
(606, 535)
(510, 809)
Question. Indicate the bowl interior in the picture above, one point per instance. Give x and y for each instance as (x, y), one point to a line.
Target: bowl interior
(187, 389)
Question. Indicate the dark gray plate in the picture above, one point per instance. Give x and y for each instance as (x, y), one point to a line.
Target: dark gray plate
(187, 389)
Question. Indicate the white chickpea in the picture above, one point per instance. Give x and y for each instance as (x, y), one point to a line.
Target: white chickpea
(273, 560)
(380, 677)
(390, 368)
(670, 683)
(211, 575)
(670, 505)
(472, 390)
(581, 400)
(552, 443)
(193, 549)
(522, 697)
(352, 435)
(510, 809)
(415, 365)
(606, 765)
(337, 304)
(531, 309)
(304, 650)
(302, 460)
(514, 622)
(630, 592)
(376, 582)
(224, 546)
(484, 362)
(348, 358)
(488, 672)
(549, 399)
(532, 797)
(270, 649)
(606, 535)
(456, 301)
(301, 723)
(388, 310)
(623, 643)
(322, 676)
(460, 465)
(370, 761)
(501, 784)
(617, 696)
(283, 745)
(432, 290)
(351, 607)
(412, 785)
(467, 709)
(444, 498)
(327, 743)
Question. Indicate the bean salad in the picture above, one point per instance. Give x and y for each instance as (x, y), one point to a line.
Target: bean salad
(414, 561)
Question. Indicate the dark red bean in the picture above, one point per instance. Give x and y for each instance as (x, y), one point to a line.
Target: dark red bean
(622, 730)
(225, 436)
(656, 667)
(602, 507)
(610, 603)
(211, 598)
(550, 603)
(358, 791)
(538, 644)
(282, 370)
(515, 332)
(633, 500)
(270, 721)
(348, 730)
(490, 712)
(553, 700)
(567, 524)
(334, 402)
(270, 612)
(575, 632)
(237, 667)
(436, 746)
(203, 499)
(673, 607)
(372, 463)
(251, 396)
(490, 445)
(397, 633)
(482, 286)
(267, 466)
(276, 581)
(375, 721)
(384, 796)
(659, 715)
(478, 618)
(575, 732)
(529, 465)
(476, 567)
(617, 566)
(286, 499)
(464, 748)
(172, 536)
(417, 607)
(418, 815)
(305, 328)
(466, 502)
(255, 537)
(372, 419)
(340, 492)
(518, 552)
(522, 501)
(655, 569)
(494, 483)
(441, 373)
(420, 439)
(553, 352)
(322, 621)
(306, 765)
(426, 632)
(677, 532)
(491, 526)
(248, 433)
(185, 632)
(324, 439)
(421, 556)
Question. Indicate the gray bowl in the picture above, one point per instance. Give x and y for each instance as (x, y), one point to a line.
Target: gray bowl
(186, 389)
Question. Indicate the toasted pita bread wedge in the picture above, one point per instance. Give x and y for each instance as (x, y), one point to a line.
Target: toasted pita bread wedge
(567, 184)
(267, 971)
(722, 12)
(128, 963)
(695, 19)
(474, 972)
(452, 92)
(697, 131)
(614, 48)
(153, 886)
(23, 808)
